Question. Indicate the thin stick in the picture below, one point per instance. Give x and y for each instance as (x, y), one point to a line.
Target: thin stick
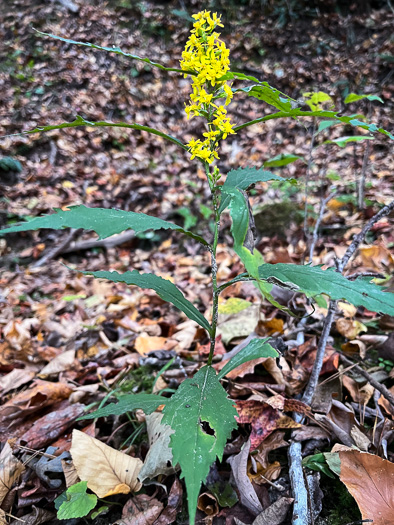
(307, 174)
(57, 250)
(381, 388)
(361, 182)
(323, 205)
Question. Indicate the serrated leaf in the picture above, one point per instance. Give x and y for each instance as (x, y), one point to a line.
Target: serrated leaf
(283, 159)
(202, 418)
(146, 402)
(312, 280)
(242, 178)
(105, 222)
(255, 349)
(114, 49)
(78, 503)
(353, 97)
(263, 91)
(80, 121)
(343, 141)
(164, 289)
(251, 258)
(332, 115)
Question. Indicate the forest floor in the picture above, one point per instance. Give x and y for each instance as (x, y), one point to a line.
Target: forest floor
(68, 341)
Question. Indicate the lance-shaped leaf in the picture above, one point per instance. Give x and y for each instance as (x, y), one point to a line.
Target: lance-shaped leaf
(353, 97)
(164, 288)
(332, 115)
(263, 91)
(312, 280)
(105, 222)
(242, 178)
(255, 349)
(118, 51)
(343, 141)
(202, 418)
(146, 402)
(241, 229)
(283, 159)
(80, 121)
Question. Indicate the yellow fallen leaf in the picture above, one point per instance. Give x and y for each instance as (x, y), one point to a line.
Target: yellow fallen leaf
(106, 470)
(349, 328)
(145, 343)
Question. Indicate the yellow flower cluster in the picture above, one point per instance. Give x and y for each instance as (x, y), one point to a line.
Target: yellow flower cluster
(209, 58)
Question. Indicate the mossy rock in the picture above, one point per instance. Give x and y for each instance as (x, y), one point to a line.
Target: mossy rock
(275, 219)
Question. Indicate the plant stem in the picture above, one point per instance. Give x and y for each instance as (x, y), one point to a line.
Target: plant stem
(215, 289)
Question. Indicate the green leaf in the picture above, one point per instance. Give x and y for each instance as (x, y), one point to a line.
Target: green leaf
(332, 115)
(116, 50)
(324, 124)
(283, 159)
(146, 402)
(78, 503)
(164, 288)
(343, 141)
(353, 97)
(242, 178)
(255, 349)
(318, 463)
(263, 91)
(202, 418)
(315, 100)
(240, 227)
(312, 280)
(105, 222)
(80, 121)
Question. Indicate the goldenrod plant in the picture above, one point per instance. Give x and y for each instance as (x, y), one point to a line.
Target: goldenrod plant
(200, 413)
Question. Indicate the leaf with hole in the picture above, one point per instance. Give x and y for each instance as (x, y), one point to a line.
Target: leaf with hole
(200, 406)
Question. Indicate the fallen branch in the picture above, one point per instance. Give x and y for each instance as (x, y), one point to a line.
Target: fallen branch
(381, 388)
(323, 206)
(299, 490)
(110, 242)
(57, 250)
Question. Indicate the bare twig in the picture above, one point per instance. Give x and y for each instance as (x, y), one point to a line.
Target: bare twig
(381, 388)
(57, 250)
(300, 509)
(323, 205)
(358, 239)
(307, 175)
(361, 181)
(110, 242)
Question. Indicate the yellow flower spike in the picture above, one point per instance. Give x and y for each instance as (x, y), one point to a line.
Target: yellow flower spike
(208, 56)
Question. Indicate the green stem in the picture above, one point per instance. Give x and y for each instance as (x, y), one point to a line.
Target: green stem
(215, 289)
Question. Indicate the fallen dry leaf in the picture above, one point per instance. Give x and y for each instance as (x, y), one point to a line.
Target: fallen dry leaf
(174, 505)
(146, 343)
(370, 480)
(140, 510)
(10, 470)
(247, 494)
(106, 470)
(350, 328)
(377, 258)
(15, 379)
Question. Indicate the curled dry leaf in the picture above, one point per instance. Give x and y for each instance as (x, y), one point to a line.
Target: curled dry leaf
(106, 470)
(355, 347)
(350, 328)
(370, 480)
(140, 510)
(10, 470)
